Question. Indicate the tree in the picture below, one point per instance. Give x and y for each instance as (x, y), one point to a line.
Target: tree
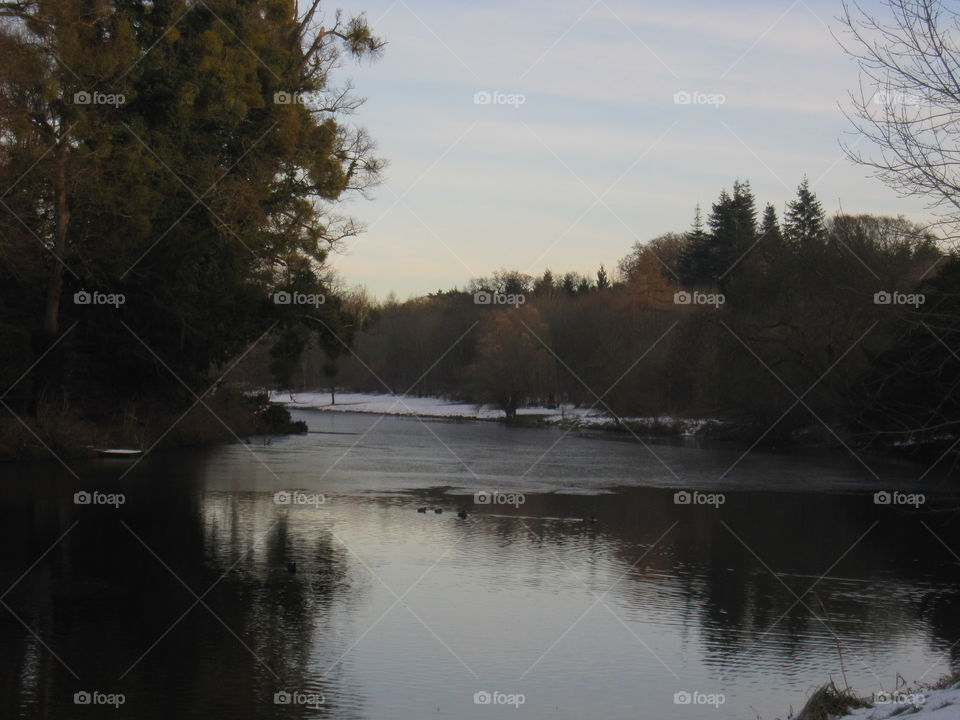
(603, 282)
(908, 105)
(805, 222)
(213, 185)
(512, 363)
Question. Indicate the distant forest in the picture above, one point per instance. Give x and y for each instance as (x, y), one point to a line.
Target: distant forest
(832, 329)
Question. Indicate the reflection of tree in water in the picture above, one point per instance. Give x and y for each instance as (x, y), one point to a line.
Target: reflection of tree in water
(100, 600)
(800, 537)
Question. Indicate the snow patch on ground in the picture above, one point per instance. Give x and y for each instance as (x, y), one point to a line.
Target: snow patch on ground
(941, 704)
(383, 404)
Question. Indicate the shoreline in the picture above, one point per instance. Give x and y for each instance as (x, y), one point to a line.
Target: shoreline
(565, 415)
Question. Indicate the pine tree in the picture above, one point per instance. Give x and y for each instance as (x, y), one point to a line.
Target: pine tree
(770, 230)
(694, 260)
(603, 282)
(805, 225)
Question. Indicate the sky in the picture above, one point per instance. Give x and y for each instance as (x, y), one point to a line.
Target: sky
(528, 134)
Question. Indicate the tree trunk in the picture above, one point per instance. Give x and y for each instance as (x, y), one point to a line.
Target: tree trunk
(51, 324)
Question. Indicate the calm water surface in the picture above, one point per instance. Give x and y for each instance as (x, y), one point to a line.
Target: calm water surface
(181, 600)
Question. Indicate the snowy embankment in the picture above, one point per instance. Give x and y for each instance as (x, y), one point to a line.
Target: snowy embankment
(942, 704)
(432, 407)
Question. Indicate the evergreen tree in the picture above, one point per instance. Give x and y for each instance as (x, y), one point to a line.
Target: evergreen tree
(805, 225)
(603, 281)
(770, 230)
(695, 257)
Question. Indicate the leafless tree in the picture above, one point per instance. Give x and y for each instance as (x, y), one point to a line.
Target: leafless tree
(908, 104)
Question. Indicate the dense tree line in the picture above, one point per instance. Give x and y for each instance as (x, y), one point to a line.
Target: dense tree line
(166, 169)
(803, 325)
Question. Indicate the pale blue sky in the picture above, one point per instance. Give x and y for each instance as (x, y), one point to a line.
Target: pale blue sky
(599, 155)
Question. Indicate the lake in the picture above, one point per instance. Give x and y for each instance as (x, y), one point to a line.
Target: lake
(598, 576)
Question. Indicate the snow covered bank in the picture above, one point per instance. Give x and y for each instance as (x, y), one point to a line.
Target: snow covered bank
(942, 704)
(383, 404)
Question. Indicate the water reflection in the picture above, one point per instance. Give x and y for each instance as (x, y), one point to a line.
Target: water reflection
(182, 598)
